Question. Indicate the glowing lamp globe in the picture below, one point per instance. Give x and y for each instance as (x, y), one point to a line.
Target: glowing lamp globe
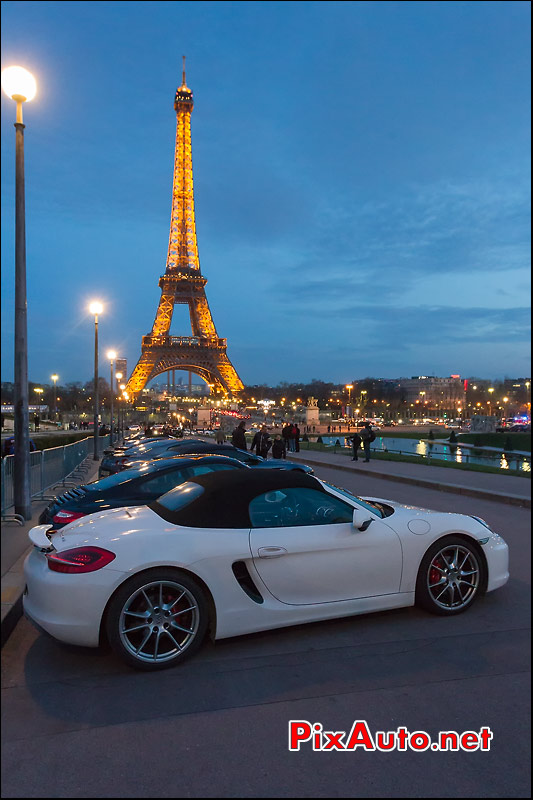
(96, 308)
(19, 84)
(111, 354)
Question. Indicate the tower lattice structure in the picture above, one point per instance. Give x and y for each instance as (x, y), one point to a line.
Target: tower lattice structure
(203, 353)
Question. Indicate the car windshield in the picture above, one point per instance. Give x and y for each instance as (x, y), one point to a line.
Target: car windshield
(375, 509)
(118, 478)
(177, 498)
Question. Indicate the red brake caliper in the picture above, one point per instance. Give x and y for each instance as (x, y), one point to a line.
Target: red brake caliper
(434, 574)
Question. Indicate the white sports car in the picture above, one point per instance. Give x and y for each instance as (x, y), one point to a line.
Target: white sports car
(245, 550)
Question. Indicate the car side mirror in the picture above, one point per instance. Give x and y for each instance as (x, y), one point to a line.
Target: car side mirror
(361, 520)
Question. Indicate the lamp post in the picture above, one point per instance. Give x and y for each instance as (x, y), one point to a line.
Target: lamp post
(19, 84)
(362, 401)
(122, 386)
(39, 393)
(54, 378)
(95, 308)
(111, 354)
(118, 378)
(491, 390)
(349, 386)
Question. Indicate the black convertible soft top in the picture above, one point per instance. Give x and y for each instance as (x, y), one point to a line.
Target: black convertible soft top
(227, 495)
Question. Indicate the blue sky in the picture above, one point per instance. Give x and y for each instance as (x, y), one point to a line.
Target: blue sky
(361, 178)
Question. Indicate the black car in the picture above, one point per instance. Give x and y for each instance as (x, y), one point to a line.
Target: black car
(112, 458)
(198, 446)
(134, 487)
(127, 444)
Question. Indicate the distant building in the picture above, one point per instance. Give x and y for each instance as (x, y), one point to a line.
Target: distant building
(445, 394)
(121, 365)
(517, 390)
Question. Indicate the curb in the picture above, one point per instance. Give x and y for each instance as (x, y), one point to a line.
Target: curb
(10, 620)
(455, 488)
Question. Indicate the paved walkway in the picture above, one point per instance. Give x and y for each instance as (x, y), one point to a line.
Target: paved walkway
(15, 546)
(503, 488)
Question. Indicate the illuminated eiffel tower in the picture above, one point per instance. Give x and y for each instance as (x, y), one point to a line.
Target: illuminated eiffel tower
(203, 353)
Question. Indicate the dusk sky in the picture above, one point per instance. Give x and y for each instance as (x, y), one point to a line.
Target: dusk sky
(361, 175)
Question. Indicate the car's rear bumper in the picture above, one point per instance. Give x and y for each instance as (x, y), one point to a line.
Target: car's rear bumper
(68, 607)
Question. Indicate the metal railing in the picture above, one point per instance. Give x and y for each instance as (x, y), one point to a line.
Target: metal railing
(519, 460)
(66, 465)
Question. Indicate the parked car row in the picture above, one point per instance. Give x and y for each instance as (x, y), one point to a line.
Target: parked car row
(155, 555)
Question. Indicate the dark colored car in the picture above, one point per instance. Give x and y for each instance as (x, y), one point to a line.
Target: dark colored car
(198, 446)
(134, 487)
(135, 441)
(145, 449)
(8, 446)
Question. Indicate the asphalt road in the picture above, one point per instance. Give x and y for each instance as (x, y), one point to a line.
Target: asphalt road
(77, 723)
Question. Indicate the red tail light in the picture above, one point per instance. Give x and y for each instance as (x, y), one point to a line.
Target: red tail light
(79, 559)
(64, 517)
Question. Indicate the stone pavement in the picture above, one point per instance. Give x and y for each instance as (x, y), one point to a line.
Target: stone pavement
(485, 485)
(15, 546)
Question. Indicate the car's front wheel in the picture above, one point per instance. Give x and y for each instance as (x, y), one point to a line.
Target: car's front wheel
(157, 619)
(451, 575)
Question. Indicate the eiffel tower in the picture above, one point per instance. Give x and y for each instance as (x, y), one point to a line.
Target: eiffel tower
(203, 353)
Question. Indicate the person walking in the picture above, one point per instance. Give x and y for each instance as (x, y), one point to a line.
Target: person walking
(356, 444)
(296, 439)
(238, 439)
(286, 435)
(279, 450)
(261, 442)
(367, 436)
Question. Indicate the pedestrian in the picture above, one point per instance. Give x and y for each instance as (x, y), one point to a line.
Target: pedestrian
(367, 436)
(220, 437)
(292, 436)
(279, 449)
(356, 444)
(261, 442)
(286, 435)
(296, 439)
(238, 439)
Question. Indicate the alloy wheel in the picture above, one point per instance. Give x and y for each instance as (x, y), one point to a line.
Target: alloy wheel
(159, 621)
(453, 577)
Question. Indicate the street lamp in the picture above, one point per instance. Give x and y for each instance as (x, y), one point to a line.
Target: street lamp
(111, 354)
(39, 393)
(95, 308)
(118, 378)
(491, 390)
(19, 84)
(122, 386)
(55, 378)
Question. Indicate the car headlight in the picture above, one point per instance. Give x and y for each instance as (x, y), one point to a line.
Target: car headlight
(483, 522)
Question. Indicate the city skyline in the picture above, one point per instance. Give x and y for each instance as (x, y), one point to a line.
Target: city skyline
(361, 206)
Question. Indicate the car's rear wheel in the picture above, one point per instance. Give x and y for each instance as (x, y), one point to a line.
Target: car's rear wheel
(451, 576)
(157, 619)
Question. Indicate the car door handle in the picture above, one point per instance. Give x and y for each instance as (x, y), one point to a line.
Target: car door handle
(271, 552)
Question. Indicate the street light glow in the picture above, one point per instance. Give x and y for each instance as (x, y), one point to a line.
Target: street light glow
(54, 377)
(119, 376)
(111, 354)
(96, 308)
(19, 84)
